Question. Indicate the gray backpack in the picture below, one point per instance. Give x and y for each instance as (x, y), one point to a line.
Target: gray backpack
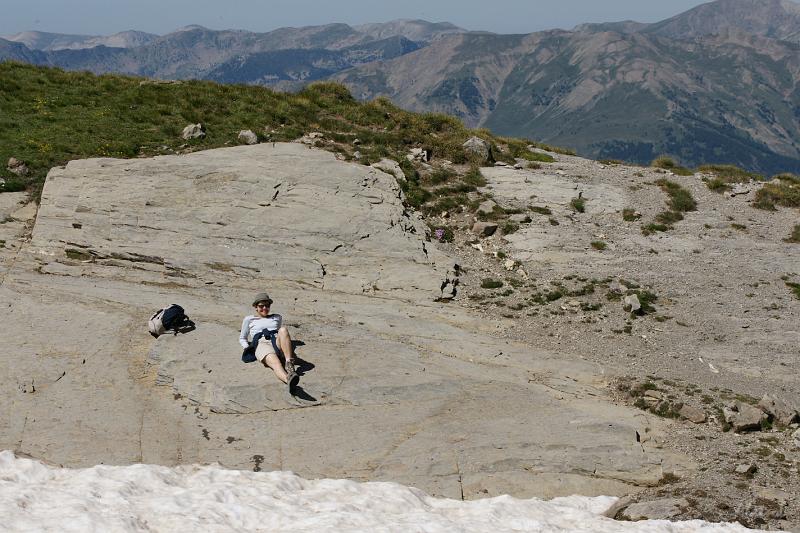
(172, 318)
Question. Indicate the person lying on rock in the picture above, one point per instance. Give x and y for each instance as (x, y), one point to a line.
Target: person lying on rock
(264, 333)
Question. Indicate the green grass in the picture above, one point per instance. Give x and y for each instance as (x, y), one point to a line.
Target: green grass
(680, 199)
(599, 245)
(489, 283)
(541, 210)
(630, 215)
(668, 163)
(783, 190)
(795, 235)
(725, 175)
(795, 288)
(51, 116)
(578, 204)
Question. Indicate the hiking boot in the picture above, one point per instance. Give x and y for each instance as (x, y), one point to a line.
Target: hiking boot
(289, 367)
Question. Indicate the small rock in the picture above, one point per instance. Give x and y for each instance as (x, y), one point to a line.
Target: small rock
(776, 496)
(518, 166)
(520, 218)
(247, 137)
(654, 394)
(655, 510)
(17, 167)
(477, 148)
(500, 164)
(487, 207)
(631, 303)
(193, 131)
(693, 414)
(617, 288)
(356, 155)
(356, 142)
(484, 229)
(796, 438)
(746, 469)
(510, 265)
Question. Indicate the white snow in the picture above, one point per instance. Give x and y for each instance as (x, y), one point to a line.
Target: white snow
(36, 497)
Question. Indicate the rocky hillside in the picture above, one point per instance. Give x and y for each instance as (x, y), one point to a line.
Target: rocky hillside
(47, 42)
(476, 315)
(716, 84)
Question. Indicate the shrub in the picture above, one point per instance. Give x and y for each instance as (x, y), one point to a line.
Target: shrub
(578, 204)
(12, 185)
(509, 228)
(474, 177)
(795, 288)
(668, 163)
(599, 245)
(783, 190)
(729, 174)
(489, 283)
(680, 199)
(649, 229)
(668, 218)
(795, 235)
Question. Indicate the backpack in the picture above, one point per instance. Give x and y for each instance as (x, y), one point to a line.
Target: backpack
(171, 318)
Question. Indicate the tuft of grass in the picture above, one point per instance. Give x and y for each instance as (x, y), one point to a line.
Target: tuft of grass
(649, 229)
(795, 288)
(541, 210)
(667, 163)
(680, 199)
(489, 283)
(578, 204)
(783, 190)
(725, 175)
(474, 177)
(794, 237)
(630, 215)
(599, 245)
(13, 185)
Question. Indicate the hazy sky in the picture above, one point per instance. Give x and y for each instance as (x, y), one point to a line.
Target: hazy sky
(102, 17)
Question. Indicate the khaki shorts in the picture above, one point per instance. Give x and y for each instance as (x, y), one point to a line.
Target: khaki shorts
(264, 349)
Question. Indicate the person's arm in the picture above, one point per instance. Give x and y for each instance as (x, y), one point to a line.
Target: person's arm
(243, 334)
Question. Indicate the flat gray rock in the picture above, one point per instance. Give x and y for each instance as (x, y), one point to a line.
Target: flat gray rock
(409, 389)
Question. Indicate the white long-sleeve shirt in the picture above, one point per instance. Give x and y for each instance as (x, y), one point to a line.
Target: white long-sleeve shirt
(253, 324)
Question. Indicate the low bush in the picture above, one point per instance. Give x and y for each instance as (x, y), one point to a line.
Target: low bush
(599, 245)
(668, 163)
(794, 237)
(489, 283)
(630, 215)
(578, 204)
(541, 210)
(680, 199)
(783, 190)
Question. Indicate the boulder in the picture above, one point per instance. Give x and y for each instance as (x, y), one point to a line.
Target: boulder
(247, 137)
(484, 229)
(631, 303)
(390, 167)
(655, 510)
(487, 207)
(478, 149)
(194, 131)
(17, 167)
(744, 417)
(693, 414)
(779, 409)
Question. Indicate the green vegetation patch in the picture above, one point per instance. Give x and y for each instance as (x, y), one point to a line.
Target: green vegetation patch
(794, 237)
(795, 288)
(489, 283)
(783, 190)
(667, 163)
(725, 175)
(578, 204)
(680, 199)
(630, 215)
(599, 245)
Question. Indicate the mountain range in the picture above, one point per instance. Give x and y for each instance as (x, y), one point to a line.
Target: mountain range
(715, 84)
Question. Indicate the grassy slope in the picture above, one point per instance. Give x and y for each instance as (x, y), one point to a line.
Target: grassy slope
(51, 116)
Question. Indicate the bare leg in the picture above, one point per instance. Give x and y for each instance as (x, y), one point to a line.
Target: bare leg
(273, 362)
(285, 343)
